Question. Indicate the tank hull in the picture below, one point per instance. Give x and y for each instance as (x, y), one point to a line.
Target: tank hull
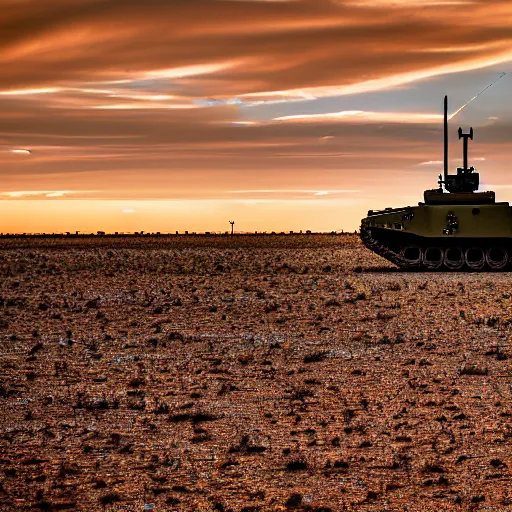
(456, 237)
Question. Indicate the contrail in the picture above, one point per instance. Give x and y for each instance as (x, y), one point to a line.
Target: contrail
(474, 97)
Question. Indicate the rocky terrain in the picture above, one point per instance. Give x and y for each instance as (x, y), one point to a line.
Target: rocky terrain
(249, 373)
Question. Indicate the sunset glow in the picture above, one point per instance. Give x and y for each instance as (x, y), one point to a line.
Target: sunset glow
(283, 115)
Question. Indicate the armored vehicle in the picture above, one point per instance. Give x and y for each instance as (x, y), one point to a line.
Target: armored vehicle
(455, 228)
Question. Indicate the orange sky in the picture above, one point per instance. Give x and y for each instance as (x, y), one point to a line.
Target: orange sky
(282, 115)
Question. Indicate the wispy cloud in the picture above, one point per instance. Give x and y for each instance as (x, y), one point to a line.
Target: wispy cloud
(362, 116)
(26, 194)
(30, 92)
(145, 106)
(432, 162)
(407, 3)
(294, 191)
(19, 151)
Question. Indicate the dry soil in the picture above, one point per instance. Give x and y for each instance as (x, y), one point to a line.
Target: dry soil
(249, 374)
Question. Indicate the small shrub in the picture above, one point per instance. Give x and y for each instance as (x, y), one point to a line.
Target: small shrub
(296, 465)
(111, 497)
(471, 369)
(315, 357)
(294, 501)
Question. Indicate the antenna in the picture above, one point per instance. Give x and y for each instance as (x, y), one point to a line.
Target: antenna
(465, 180)
(446, 139)
(466, 136)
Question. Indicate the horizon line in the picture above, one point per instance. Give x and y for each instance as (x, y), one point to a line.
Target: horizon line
(99, 234)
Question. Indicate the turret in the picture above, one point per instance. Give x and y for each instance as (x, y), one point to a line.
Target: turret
(463, 185)
(466, 180)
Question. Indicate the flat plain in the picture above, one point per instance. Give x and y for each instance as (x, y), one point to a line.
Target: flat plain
(249, 373)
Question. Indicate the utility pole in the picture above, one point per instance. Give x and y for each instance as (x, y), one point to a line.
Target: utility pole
(232, 222)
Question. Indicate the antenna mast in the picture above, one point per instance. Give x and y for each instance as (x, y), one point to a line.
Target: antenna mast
(445, 139)
(465, 180)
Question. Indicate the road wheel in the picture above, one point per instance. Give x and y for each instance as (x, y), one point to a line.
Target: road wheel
(496, 257)
(475, 258)
(412, 253)
(454, 258)
(433, 258)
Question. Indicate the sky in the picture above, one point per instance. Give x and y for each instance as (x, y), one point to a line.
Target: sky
(173, 115)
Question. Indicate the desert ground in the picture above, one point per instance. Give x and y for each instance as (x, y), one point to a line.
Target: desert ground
(249, 373)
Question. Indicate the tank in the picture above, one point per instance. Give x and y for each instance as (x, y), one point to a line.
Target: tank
(454, 228)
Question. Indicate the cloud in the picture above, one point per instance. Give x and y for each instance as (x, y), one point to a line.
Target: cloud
(204, 153)
(432, 162)
(20, 151)
(303, 47)
(406, 3)
(38, 194)
(30, 92)
(168, 99)
(361, 116)
(293, 191)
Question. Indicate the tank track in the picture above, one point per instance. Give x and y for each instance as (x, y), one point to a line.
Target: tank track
(405, 264)
(385, 252)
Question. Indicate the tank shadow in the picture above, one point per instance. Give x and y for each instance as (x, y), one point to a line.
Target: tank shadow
(377, 270)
